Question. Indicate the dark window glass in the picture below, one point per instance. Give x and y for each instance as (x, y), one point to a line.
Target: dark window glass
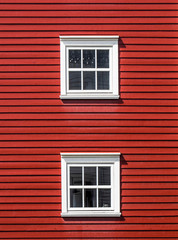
(74, 58)
(74, 80)
(75, 197)
(103, 58)
(104, 197)
(90, 197)
(102, 80)
(88, 80)
(89, 175)
(88, 58)
(75, 176)
(104, 176)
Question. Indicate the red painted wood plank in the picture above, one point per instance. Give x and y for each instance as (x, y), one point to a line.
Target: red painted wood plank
(33, 186)
(29, 200)
(89, 130)
(150, 192)
(32, 82)
(42, 158)
(89, 227)
(130, 68)
(30, 213)
(55, 34)
(88, 1)
(58, 220)
(138, 172)
(148, 74)
(155, 199)
(141, 61)
(76, 103)
(124, 151)
(90, 20)
(85, 116)
(42, 179)
(29, 172)
(118, 27)
(131, 179)
(88, 123)
(25, 165)
(30, 206)
(29, 89)
(29, 55)
(89, 234)
(146, 185)
(91, 109)
(89, 13)
(39, 61)
(153, 54)
(161, 139)
(147, 82)
(83, 144)
(149, 213)
(31, 75)
(96, 6)
(44, 68)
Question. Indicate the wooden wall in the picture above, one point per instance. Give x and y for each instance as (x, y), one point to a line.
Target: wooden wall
(36, 125)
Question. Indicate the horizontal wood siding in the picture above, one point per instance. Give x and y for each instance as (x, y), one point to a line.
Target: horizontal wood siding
(35, 125)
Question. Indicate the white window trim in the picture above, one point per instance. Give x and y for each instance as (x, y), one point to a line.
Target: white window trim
(89, 41)
(91, 158)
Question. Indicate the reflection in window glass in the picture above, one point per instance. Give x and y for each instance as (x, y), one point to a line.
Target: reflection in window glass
(90, 197)
(88, 80)
(75, 176)
(102, 80)
(89, 175)
(75, 197)
(88, 58)
(103, 58)
(74, 58)
(104, 197)
(74, 80)
(104, 176)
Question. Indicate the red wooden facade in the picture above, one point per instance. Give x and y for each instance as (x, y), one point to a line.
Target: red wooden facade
(35, 125)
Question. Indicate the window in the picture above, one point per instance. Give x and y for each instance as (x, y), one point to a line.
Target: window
(90, 184)
(89, 67)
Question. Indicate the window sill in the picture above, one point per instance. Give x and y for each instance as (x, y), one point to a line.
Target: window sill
(90, 96)
(91, 214)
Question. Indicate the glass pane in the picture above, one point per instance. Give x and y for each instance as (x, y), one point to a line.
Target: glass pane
(90, 197)
(88, 58)
(75, 197)
(75, 176)
(103, 80)
(104, 176)
(74, 80)
(102, 58)
(88, 80)
(104, 197)
(89, 175)
(74, 58)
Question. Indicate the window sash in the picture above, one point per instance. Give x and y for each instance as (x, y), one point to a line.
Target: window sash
(97, 187)
(95, 69)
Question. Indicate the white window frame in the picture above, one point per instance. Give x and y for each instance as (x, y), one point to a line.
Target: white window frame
(91, 159)
(90, 42)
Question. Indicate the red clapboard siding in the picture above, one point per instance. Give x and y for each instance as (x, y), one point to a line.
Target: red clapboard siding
(35, 125)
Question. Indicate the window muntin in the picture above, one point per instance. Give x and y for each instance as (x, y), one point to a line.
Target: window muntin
(90, 184)
(96, 188)
(89, 67)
